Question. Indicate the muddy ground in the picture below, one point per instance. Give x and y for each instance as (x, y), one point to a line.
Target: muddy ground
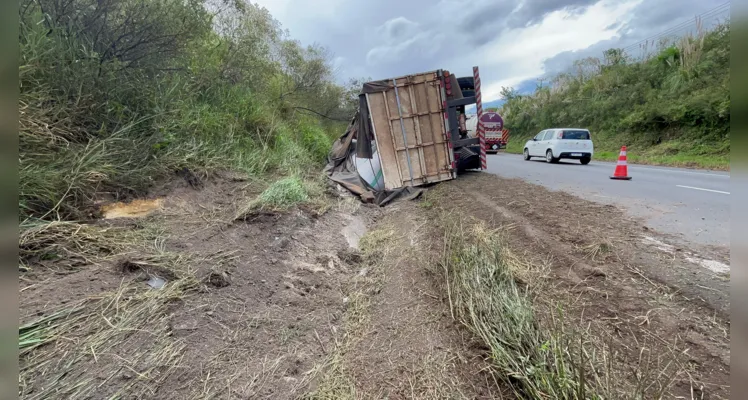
(345, 300)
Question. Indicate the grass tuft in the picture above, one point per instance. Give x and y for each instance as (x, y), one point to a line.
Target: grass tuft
(500, 298)
(286, 193)
(282, 194)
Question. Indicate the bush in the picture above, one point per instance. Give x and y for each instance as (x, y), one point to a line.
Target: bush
(118, 94)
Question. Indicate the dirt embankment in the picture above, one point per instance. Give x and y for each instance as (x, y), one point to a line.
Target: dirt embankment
(665, 319)
(344, 303)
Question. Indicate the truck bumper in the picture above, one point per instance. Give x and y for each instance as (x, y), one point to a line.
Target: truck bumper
(495, 146)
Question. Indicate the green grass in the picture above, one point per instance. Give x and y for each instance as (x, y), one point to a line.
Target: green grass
(287, 193)
(283, 194)
(127, 128)
(678, 96)
(40, 331)
(534, 361)
(676, 153)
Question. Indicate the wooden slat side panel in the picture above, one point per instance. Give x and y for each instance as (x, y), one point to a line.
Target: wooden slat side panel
(422, 118)
(431, 132)
(436, 121)
(403, 159)
(394, 129)
(415, 163)
(384, 142)
(417, 92)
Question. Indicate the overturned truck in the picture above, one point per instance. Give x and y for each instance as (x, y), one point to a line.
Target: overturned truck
(408, 132)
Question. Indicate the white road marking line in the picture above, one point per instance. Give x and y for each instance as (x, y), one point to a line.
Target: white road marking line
(647, 167)
(637, 166)
(706, 190)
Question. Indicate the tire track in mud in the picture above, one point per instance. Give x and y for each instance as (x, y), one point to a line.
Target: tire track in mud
(403, 343)
(614, 291)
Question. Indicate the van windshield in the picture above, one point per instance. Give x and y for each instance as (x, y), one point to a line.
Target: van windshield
(576, 135)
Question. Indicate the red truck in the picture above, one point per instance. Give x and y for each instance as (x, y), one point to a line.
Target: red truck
(495, 134)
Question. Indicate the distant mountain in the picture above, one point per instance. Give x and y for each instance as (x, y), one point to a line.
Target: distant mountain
(486, 105)
(494, 104)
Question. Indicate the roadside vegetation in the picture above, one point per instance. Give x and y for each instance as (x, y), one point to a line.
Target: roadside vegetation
(671, 107)
(118, 94)
(115, 97)
(536, 346)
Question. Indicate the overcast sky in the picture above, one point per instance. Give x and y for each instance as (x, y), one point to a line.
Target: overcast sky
(513, 41)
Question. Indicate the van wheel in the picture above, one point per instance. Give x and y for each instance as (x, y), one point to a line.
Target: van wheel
(549, 157)
(585, 160)
(526, 155)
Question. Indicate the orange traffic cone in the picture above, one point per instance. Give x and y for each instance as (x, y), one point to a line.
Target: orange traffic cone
(622, 169)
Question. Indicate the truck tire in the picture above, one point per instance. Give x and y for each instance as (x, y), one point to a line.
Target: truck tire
(466, 83)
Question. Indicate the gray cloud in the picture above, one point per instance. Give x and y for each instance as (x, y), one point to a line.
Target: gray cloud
(481, 22)
(533, 11)
(399, 28)
(649, 19)
(385, 38)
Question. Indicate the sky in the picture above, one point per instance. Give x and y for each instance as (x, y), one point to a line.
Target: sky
(514, 42)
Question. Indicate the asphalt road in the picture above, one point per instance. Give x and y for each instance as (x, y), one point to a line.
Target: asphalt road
(693, 205)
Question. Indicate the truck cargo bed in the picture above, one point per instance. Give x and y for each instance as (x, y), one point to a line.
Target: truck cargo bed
(409, 126)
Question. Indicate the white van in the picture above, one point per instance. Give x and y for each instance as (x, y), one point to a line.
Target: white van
(558, 143)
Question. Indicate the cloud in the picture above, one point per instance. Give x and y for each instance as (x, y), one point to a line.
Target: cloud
(421, 45)
(646, 20)
(513, 41)
(403, 39)
(531, 12)
(397, 29)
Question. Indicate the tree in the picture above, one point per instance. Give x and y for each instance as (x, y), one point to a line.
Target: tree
(136, 33)
(508, 93)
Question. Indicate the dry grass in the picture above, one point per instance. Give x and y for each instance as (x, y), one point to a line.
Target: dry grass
(515, 311)
(120, 337)
(71, 241)
(598, 251)
(107, 344)
(336, 381)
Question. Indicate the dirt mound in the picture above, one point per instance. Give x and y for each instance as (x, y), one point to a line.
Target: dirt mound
(184, 301)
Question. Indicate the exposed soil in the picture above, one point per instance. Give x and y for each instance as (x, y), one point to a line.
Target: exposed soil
(407, 345)
(286, 305)
(614, 273)
(260, 309)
